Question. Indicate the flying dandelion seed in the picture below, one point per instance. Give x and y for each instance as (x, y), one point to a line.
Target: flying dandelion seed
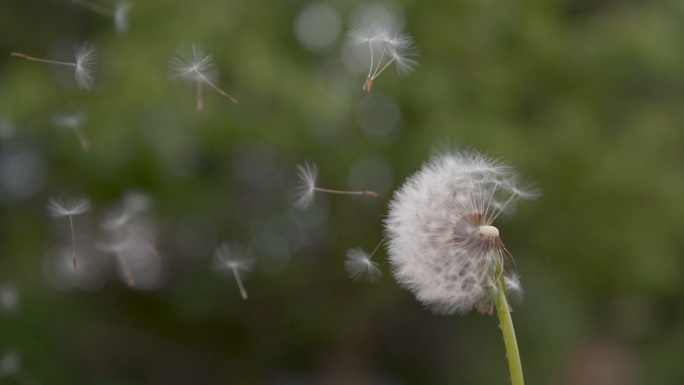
(119, 14)
(359, 265)
(308, 173)
(84, 67)
(386, 47)
(192, 63)
(236, 258)
(74, 123)
(69, 208)
(123, 222)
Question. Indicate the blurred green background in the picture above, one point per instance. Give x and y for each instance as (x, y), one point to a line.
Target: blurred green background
(585, 98)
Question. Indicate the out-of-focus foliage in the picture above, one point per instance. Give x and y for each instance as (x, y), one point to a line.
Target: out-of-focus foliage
(585, 98)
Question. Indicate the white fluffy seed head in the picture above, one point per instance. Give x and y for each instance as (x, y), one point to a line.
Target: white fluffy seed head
(441, 242)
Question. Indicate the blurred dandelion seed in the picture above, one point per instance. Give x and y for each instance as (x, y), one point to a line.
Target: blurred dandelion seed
(120, 249)
(386, 46)
(119, 14)
(84, 67)
(122, 221)
(235, 257)
(69, 208)
(192, 63)
(307, 174)
(360, 267)
(73, 122)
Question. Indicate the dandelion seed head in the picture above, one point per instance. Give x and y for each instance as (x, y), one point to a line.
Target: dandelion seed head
(86, 65)
(360, 267)
(442, 244)
(68, 207)
(306, 189)
(191, 62)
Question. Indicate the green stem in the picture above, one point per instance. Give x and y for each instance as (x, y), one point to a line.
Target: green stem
(503, 311)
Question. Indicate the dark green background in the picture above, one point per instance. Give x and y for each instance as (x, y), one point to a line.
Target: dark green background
(585, 98)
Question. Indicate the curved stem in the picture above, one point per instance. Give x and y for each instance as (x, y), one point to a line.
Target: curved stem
(31, 58)
(215, 87)
(364, 192)
(503, 311)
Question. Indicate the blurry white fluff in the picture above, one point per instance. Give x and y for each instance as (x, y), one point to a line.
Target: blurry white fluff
(359, 266)
(442, 244)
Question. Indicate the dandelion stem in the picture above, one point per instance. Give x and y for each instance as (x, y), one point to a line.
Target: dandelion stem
(215, 87)
(31, 58)
(375, 72)
(364, 192)
(85, 144)
(370, 70)
(503, 311)
(130, 281)
(142, 240)
(73, 242)
(243, 292)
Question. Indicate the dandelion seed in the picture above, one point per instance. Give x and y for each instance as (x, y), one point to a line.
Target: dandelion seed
(73, 122)
(194, 64)
(84, 67)
(308, 173)
(442, 243)
(513, 287)
(386, 47)
(360, 267)
(236, 258)
(69, 208)
(122, 221)
(119, 14)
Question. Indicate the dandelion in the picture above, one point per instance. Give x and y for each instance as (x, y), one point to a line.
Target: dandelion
(119, 14)
(69, 208)
(194, 64)
(236, 258)
(84, 67)
(73, 122)
(122, 222)
(386, 47)
(443, 246)
(359, 265)
(308, 173)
